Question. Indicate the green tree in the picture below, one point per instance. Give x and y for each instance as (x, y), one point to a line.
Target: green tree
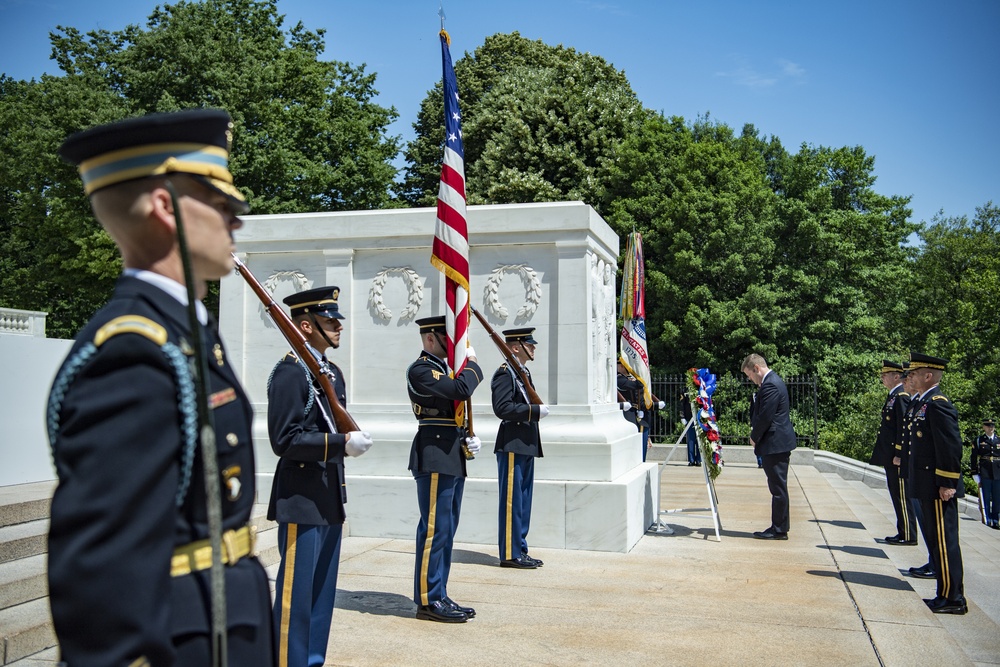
(307, 135)
(538, 124)
(954, 307)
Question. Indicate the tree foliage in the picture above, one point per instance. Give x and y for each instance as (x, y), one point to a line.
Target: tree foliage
(307, 135)
(538, 123)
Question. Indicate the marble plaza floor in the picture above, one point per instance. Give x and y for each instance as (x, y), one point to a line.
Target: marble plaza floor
(833, 594)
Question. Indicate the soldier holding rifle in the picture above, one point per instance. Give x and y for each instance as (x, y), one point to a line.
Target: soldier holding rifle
(518, 443)
(437, 461)
(309, 492)
(133, 420)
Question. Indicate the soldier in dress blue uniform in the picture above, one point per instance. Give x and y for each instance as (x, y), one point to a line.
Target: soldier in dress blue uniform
(308, 494)
(634, 392)
(437, 462)
(518, 443)
(935, 480)
(889, 439)
(985, 465)
(129, 549)
(902, 460)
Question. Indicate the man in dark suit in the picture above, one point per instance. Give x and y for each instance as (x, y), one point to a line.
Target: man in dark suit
(129, 546)
(935, 479)
(773, 439)
(887, 444)
(309, 491)
(437, 461)
(518, 443)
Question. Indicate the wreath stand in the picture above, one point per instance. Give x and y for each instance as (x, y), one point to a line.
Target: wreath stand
(662, 528)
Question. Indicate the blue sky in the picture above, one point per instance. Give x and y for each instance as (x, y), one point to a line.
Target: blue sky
(915, 82)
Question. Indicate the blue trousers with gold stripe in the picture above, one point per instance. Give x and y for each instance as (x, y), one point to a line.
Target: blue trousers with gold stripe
(941, 521)
(304, 592)
(906, 521)
(516, 474)
(439, 498)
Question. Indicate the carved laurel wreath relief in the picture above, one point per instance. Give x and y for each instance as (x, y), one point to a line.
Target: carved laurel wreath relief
(415, 293)
(297, 278)
(532, 291)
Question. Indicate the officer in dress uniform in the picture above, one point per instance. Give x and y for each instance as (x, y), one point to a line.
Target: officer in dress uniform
(129, 548)
(985, 465)
(308, 494)
(935, 478)
(902, 460)
(890, 436)
(437, 461)
(518, 443)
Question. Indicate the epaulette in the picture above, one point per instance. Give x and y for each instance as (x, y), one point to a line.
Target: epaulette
(903, 393)
(131, 324)
(503, 366)
(939, 397)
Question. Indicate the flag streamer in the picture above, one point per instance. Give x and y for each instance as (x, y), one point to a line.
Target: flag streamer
(634, 353)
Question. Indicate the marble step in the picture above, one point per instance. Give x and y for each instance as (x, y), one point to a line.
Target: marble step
(21, 503)
(25, 630)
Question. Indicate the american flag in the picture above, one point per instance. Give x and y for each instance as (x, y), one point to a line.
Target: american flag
(450, 252)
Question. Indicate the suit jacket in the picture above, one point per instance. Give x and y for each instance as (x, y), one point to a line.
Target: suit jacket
(437, 446)
(308, 483)
(985, 457)
(935, 447)
(518, 432)
(770, 425)
(888, 443)
(124, 435)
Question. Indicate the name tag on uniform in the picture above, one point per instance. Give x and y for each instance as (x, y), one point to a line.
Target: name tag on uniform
(221, 398)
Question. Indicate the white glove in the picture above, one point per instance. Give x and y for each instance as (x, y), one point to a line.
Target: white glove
(626, 406)
(470, 351)
(543, 411)
(474, 444)
(358, 442)
(661, 405)
(976, 479)
(639, 414)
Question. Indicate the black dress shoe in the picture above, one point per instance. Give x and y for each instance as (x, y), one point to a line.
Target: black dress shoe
(923, 572)
(441, 612)
(528, 558)
(770, 534)
(897, 539)
(944, 606)
(520, 562)
(468, 611)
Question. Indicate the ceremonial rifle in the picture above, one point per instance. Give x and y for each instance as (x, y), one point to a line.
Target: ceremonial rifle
(341, 418)
(533, 397)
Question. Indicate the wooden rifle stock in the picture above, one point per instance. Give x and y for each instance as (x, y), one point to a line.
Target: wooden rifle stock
(341, 418)
(533, 397)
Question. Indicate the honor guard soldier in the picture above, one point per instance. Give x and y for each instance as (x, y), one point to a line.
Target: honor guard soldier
(902, 460)
(518, 443)
(887, 444)
(985, 464)
(935, 478)
(634, 393)
(308, 494)
(437, 461)
(129, 546)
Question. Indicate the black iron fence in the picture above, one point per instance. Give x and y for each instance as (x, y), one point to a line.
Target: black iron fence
(732, 408)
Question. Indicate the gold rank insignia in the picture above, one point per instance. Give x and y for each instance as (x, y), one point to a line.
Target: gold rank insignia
(217, 351)
(437, 374)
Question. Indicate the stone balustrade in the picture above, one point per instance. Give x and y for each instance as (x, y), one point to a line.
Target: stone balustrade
(22, 322)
